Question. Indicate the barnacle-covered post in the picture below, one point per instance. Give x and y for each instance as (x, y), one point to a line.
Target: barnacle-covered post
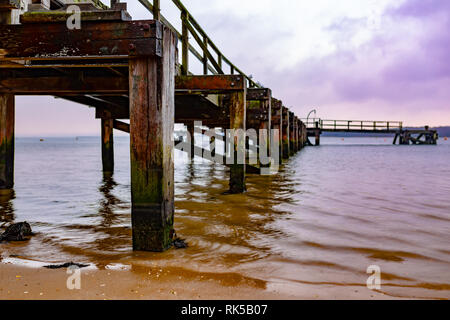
(286, 129)
(291, 133)
(7, 110)
(296, 147)
(265, 126)
(152, 113)
(108, 143)
(277, 124)
(238, 114)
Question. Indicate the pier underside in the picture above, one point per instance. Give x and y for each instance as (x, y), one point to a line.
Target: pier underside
(129, 70)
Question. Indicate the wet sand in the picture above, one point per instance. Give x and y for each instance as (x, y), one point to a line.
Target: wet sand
(23, 283)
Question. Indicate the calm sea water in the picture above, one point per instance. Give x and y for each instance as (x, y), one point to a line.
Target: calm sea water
(330, 213)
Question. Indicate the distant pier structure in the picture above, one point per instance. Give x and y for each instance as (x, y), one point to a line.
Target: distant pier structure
(139, 71)
(402, 136)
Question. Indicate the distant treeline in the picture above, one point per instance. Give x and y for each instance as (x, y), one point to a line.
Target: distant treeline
(442, 131)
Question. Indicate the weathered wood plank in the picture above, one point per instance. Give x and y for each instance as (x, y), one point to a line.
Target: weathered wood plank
(63, 85)
(63, 16)
(209, 83)
(152, 111)
(103, 38)
(121, 126)
(259, 94)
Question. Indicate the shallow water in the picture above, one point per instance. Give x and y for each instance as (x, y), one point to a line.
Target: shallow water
(330, 213)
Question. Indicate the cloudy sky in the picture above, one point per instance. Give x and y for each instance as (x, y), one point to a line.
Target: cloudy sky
(349, 59)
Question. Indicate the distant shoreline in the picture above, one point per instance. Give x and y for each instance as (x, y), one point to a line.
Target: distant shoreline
(443, 131)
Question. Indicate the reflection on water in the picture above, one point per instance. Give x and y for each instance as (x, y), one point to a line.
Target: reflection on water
(330, 213)
(7, 207)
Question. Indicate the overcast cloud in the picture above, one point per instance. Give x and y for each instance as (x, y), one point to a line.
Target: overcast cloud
(350, 59)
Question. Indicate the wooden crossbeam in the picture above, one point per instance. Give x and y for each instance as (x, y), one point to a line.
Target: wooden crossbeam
(122, 126)
(209, 83)
(258, 94)
(63, 85)
(99, 38)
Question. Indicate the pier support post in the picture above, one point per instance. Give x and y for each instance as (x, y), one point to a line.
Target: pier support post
(152, 113)
(191, 131)
(238, 107)
(212, 144)
(291, 134)
(264, 134)
(6, 143)
(277, 124)
(317, 138)
(108, 145)
(317, 133)
(286, 129)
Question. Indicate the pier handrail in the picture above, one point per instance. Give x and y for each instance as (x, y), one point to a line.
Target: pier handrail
(191, 26)
(353, 125)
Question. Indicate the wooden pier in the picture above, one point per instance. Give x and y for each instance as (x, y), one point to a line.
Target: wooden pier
(404, 136)
(135, 70)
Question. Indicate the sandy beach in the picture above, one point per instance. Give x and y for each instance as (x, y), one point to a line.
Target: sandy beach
(24, 283)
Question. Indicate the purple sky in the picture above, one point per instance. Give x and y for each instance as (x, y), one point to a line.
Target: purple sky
(359, 59)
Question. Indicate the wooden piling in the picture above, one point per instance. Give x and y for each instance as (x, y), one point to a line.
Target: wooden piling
(264, 134)
(286, 130)
(191, 139)
(238, 106)
(6, 142)
(7, 119)
(108, 145)
(317, 134)
(291, 134)
(212, 145)
(277, 124)
(152, 112)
